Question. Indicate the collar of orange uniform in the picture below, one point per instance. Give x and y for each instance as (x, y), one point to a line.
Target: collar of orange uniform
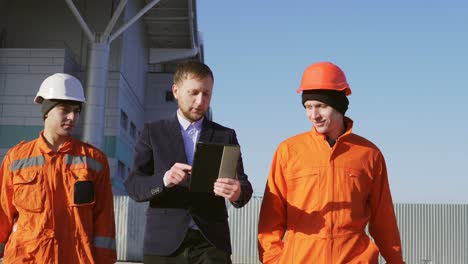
(349, 127)
(44, 146)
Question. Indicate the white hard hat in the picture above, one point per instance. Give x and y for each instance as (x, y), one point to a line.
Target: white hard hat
(60, 86)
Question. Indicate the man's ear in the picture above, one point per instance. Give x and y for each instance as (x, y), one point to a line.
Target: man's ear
(174, 90)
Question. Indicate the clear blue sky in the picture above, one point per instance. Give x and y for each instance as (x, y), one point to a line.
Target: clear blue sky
(406, 62)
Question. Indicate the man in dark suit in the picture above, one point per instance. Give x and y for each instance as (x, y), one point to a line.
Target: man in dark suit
(183, 226)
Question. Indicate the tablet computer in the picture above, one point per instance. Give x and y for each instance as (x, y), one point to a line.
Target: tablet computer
(212, 161)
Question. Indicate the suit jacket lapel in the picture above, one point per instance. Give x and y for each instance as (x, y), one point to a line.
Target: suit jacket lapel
(207, 131)
(176, 142)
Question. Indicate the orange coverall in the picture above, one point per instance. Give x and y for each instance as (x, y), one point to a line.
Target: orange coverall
(320, 199)
(56, 207)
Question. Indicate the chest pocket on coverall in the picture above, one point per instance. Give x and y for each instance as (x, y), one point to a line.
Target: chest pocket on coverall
(29, 192)
(304, 183)
(82, 188)
(356, 182)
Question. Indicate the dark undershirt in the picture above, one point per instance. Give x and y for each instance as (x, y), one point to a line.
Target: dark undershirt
(332, 142)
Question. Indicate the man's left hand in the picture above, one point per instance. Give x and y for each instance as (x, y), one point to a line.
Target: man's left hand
(228, 188)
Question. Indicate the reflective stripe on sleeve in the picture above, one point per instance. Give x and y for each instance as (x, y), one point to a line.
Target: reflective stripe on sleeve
(104, 242)
(2, 249)
(27, 162)
(92, 163)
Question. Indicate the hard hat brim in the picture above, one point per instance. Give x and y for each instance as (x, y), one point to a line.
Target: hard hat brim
(346, 89)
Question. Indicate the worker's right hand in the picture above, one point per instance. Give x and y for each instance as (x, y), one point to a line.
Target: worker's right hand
(178, 172)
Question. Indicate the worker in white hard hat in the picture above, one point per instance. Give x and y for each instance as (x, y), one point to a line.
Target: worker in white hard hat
(56, 202)
(59, 88)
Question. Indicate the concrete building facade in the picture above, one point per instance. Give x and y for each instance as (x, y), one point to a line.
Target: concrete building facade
(145, 39)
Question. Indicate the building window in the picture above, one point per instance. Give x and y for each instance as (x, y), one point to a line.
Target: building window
(121, 170)
(132, 130)
(169, 96)
(123, 120)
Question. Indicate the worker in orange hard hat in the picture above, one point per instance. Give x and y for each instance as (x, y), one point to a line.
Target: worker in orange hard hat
(326, 185)
(56, 202)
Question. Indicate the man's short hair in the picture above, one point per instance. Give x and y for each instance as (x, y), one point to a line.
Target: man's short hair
(195, 69)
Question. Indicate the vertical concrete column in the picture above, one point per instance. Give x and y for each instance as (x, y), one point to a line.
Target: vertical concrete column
(96, 90)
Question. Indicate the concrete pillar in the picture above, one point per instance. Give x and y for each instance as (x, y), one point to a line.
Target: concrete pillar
(96, 91)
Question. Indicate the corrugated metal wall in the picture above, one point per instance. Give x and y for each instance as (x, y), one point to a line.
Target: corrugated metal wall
(243, 225)
(430, 233)
(130, 228)
(434, 233)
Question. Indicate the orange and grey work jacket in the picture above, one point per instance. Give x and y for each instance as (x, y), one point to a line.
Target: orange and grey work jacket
(56, 207)
(318, 201)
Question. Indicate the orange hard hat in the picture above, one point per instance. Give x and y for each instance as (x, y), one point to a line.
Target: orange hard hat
(324, 76)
